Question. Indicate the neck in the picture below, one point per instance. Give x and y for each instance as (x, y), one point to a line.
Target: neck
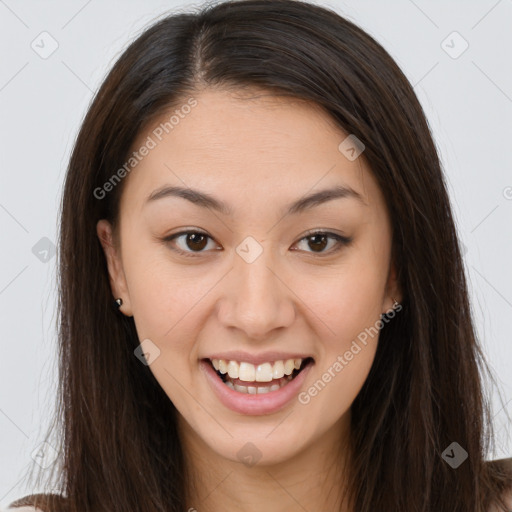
(313, 479)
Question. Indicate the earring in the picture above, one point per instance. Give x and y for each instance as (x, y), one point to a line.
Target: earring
(118, 303)
(393, 307)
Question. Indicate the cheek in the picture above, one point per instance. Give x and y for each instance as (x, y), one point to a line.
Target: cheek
(162, 293)
(351, 309)
(347, 302)
(164, 305)
(335, 386)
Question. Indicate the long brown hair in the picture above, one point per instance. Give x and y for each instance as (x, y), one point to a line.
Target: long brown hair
(117, 428)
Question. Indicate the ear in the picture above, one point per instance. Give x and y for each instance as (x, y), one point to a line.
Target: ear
(393, 290)
(115, 266)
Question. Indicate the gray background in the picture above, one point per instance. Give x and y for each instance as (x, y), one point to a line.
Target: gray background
(467, 98)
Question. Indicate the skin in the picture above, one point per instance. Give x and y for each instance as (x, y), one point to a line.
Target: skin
(258, 154)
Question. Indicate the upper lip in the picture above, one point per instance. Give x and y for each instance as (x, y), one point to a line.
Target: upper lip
(255, 359)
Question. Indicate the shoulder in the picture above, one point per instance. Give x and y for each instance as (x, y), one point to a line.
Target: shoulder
(23, 509)
(507, 499)
(505, 463)
(505, 467)
(40, 502)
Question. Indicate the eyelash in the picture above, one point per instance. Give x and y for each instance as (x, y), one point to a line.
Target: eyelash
(341, 240)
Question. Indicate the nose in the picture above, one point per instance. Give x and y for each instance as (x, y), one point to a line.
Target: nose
(256, 298)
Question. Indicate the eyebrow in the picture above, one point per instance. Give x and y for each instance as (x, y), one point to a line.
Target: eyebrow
(206, 200)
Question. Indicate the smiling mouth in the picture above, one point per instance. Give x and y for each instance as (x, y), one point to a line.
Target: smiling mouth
(249, 385)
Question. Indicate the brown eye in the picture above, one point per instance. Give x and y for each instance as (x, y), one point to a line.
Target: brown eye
(318, 240)
(196, 241)
(193, 243)
(190, 242)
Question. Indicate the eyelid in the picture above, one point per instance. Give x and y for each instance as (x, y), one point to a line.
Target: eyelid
(186, 231)
(342, 240)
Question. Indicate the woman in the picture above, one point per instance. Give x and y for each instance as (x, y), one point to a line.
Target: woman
(262, 296)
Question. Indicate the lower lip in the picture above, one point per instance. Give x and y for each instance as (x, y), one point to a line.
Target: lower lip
(245, 403)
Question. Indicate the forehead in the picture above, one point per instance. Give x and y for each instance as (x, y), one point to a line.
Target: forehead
(250, 148)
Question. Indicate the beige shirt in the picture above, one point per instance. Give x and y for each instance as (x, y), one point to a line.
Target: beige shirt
(23, 509)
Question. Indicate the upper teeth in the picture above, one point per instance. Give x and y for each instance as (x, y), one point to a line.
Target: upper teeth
(264, 372)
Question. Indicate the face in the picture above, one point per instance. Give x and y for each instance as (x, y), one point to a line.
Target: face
(256, 273)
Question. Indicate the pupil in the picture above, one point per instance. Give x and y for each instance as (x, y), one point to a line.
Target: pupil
(315, 244)
(193, 237)
(316, 241)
